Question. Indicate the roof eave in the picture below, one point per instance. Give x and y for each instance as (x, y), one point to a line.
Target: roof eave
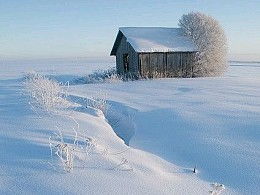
(192, 51)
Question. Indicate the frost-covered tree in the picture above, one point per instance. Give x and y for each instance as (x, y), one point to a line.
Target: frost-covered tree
(209, 36)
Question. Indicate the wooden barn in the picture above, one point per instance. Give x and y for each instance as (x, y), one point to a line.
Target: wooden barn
(153, 52)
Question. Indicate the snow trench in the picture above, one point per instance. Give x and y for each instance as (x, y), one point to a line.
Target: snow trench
(121, 119)
(118, 116)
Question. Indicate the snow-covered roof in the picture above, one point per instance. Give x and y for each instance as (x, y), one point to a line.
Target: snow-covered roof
(156, 39)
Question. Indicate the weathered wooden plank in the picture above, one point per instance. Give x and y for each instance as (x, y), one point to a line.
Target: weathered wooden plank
(161, 64)
(145, 60)
(174, 64)
(153, 69)
(170, 64)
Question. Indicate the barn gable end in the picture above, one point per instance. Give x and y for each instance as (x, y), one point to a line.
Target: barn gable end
(123, 48)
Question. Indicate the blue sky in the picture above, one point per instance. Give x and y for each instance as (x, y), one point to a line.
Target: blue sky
(32, 29)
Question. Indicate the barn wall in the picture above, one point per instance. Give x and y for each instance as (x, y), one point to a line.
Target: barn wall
(172, 64)
(125, 48)
(157, 64)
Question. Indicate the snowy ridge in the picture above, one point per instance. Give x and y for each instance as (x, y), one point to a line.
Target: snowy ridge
(158, 39)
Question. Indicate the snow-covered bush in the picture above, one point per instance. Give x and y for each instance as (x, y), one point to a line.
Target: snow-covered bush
(65, 153)
(82, 151)
(209, 36)
(46, 94)
(100, 76)
(68, 151)
(98, 103)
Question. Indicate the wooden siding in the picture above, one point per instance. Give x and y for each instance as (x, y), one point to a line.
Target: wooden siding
(172, 64)
(125, 48)
(156, 64)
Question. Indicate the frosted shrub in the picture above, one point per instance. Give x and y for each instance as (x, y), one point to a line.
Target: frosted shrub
(208, 35)
(90, 145)
(101, 76)
(65, 153)
(68, 151)
(85, 150)
(45, 93)
(98, 103)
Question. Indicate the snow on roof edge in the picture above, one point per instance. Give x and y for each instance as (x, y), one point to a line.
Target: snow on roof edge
(158, 39)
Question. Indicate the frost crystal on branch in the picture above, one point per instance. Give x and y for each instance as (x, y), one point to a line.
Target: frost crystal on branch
(208, 35)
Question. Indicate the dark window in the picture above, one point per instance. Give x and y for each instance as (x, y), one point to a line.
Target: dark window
(126, 62)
